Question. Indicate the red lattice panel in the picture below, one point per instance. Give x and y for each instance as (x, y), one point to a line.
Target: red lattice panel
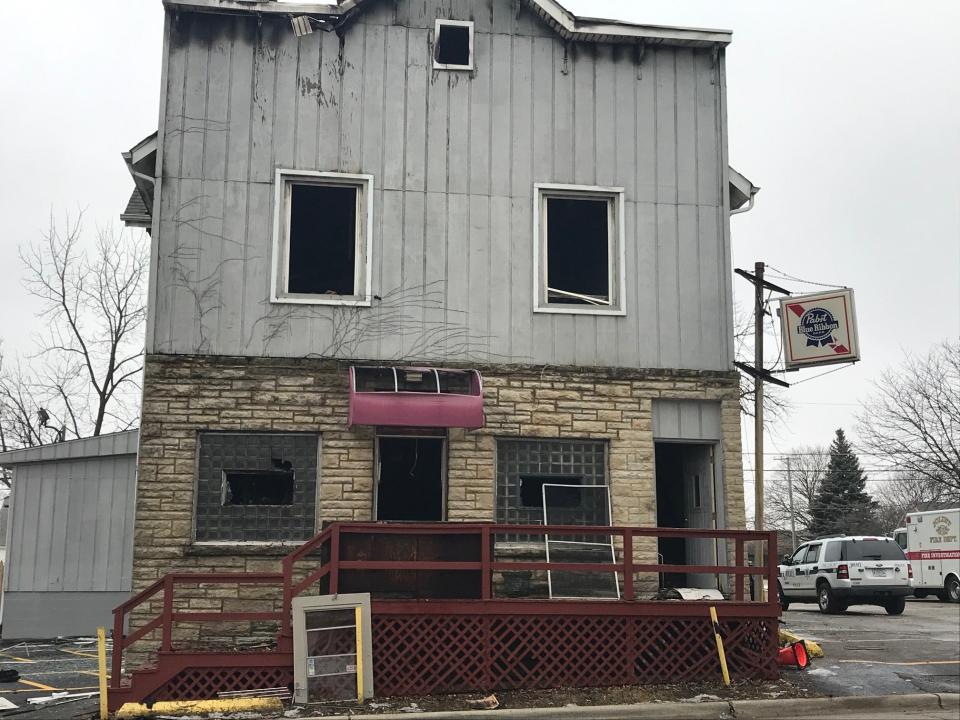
(422, 654)
(205, 683)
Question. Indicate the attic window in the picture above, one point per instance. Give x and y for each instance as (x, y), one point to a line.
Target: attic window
(453, 45)
(322, 238)
(580, 250)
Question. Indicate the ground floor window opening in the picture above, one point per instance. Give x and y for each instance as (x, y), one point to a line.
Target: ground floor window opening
(410, 479)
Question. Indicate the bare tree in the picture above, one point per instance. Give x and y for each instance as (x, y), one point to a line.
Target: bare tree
(775, 405)
(910, 493)
(912, 421)
(807, 466)
(84, 377)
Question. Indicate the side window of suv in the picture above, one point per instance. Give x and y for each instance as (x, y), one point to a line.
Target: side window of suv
(798, 556)
(833, 552)
(813, 553)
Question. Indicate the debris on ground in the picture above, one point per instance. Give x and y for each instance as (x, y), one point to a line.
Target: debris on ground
(702, 697)
(490, 702)
(412, 708)
(9, 676)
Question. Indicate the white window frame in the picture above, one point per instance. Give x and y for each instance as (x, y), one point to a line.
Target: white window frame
(363, 271)
(436, 39)
(616, 248)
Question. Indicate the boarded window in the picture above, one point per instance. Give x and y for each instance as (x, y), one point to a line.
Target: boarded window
(256, 486)
(453, 45)
(578, 251)
(323, 240)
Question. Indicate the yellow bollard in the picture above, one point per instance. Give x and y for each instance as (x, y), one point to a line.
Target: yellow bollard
(359, 622)
(720, 652)
(102, 661)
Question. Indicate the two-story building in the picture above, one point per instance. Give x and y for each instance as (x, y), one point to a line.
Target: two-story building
(416, 260)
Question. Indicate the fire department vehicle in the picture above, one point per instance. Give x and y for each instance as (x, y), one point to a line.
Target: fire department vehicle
(931, 541)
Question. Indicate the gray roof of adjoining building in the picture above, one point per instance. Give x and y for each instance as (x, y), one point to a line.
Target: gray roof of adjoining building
(121, 443)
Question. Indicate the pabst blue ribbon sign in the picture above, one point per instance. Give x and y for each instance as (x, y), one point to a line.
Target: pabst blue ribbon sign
(819, 329)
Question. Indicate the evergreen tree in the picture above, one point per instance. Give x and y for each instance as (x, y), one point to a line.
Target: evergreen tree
(842, 504)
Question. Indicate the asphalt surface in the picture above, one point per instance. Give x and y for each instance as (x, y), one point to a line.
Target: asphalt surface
(868, 652)
(47, 667)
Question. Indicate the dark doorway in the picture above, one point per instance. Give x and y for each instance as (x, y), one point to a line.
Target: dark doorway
(410, 479)
(685, 499)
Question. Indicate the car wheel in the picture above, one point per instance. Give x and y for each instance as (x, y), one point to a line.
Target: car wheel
(920, 594)
(784, 603)
(951, 591)
(895, 606)
(825, 599)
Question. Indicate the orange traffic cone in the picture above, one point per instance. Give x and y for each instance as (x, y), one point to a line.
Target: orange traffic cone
(794, 654)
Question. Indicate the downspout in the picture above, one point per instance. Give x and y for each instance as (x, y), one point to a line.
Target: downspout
(747, 208)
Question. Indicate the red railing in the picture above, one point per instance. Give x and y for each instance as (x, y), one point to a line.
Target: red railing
(328, 545)
(169, 615)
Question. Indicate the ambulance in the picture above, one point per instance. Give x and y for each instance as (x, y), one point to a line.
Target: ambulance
(931, 541)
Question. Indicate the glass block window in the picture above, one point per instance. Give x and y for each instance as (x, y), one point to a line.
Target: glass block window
(524, 466)
(236, 497)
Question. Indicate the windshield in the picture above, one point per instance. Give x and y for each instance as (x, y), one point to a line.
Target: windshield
(872, 550)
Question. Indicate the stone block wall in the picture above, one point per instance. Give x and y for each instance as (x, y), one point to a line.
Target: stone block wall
(185, 395)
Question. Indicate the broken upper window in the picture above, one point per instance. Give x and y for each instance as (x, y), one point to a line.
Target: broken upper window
(453, 45)
(323, 238)
(580, 250)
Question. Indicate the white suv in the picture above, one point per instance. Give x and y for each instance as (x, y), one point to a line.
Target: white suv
(847, 570)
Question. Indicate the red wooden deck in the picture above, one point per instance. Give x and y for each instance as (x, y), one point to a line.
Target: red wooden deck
(473, 641)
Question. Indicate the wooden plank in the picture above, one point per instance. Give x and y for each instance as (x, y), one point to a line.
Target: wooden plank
(373, 106)
(543, 77)
(391, 278)
(666, 135)
(395, 108)
(74, 524)
(327, 97)
(584, 108)
(709, 177)
(479, 284)
(308, 84)
(261, 131)
(285, 98)
(56, 514)
(607, 110)
(501, 246)
(100, 472)
(413, 260)
(256, 268)
(435, 265)
(687, 135)
(521, 279)
(89, 506)
(519, 142)
(438, 129)
(217, 109)
(713, 303)
(194, 120)
(480, 101)
(185, 332)
(645, 141)
(624, 110)
(458, 137)
(563, 115)
(458, 268)
(668, 291)
(641, 286)
(230, 313)
(173, 103)
(501, 138)
(211, 294)
(418, 87)
(351, 112)
(688, 270)
(241, 107)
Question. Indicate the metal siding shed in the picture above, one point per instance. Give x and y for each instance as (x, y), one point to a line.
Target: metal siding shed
(70, 537)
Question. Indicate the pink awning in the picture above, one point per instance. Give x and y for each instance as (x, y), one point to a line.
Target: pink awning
(416, 397)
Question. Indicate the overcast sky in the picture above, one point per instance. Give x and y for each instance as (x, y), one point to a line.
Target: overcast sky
(846, 113)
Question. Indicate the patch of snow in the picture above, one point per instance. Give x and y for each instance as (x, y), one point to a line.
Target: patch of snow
(703, 697)
(821, 672)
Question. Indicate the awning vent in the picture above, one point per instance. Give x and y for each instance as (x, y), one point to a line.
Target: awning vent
(416, 397)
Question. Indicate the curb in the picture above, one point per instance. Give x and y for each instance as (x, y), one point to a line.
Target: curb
(741, 710)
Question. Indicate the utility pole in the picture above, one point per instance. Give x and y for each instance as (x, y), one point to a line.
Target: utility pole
(793, 518)
(758, 397)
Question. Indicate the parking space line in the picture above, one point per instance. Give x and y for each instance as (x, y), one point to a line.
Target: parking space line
(17, 659)
(90, 672)
(918, 662)
(33, 690)
(77, 652)
(38, 686)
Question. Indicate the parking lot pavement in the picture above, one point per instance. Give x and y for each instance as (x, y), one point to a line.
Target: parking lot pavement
(868, 652)
(46, 667)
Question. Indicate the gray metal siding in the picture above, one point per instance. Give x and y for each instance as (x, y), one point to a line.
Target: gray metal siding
(72, 525)
(454, 158)
(692, 420)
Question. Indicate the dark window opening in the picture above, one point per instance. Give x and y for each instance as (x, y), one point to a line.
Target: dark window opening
(833, 552)
(871, 550)
(578, 251)
(423, 381)
(453, 45)
(263, 487)
(375, 379)
(322, 240)
(410, 486)
(456, 383)
(531, 491)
